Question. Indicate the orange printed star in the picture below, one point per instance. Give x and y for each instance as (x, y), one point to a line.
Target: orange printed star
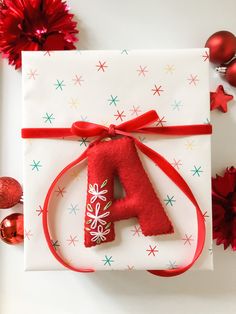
(220, 99)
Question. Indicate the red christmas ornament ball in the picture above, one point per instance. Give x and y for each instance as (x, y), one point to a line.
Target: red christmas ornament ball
(222, 46)
(12, 229)
(230, 74)
(10, 192)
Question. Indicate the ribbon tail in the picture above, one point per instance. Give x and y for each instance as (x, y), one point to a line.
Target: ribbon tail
(170, 171)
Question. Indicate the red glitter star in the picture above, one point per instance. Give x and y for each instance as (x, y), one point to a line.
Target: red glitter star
(219, 99)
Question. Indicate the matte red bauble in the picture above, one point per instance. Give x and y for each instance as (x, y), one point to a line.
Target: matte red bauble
(12, 229)
(10, 192)
(222, 47)
(230, 74)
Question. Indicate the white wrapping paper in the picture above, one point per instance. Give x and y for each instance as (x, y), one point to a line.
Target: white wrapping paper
(107, 87)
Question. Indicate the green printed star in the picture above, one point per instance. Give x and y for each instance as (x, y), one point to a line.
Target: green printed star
(59, 84)
(48, 118)
(107, 260)
(196, 171)
(113, 100)
(73, 209)
(124, 51)
(55, 244)
(36, 165)
(84, 141)
(176, 105)
(169, 200)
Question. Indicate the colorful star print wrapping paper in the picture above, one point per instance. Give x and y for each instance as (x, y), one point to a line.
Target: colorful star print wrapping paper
(110, 87)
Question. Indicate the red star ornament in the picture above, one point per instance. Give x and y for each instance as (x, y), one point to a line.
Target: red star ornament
(219, 99)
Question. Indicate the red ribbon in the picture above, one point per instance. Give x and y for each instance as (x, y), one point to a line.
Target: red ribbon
(136, 125)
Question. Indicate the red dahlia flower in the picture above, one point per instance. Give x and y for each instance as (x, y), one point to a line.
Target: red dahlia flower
(34, 25)
(224, 208)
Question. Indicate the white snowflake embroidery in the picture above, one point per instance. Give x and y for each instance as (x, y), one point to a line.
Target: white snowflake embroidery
(97, 219)
(94, 190)
(99, 235)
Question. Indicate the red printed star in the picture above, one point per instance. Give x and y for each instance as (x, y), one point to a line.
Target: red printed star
(60, 191)
(187, 239)
(28, 234)
(78, 80)
(72, 240)
(142, 71)
(152, 250)
(129, 267)
(193, 80)
(120, 115)
(205, 215)
(101, 66)
(136, 231)
(47, 53)
(205, 56)
(219, 99)
(161, 121)
(177, 163)
(157, 90)
(32, 74)
(40, 210)
(135, 111)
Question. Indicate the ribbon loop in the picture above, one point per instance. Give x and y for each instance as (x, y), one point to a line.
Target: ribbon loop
(86, 129)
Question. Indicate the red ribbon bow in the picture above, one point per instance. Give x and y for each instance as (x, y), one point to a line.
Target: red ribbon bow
(136, 125)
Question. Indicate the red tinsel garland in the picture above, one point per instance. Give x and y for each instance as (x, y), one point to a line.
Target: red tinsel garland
(224, 208)
(35, 25)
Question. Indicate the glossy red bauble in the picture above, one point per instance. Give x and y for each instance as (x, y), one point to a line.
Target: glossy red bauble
(10, 192)
(222, 47)
(230, 74)
(12, 229)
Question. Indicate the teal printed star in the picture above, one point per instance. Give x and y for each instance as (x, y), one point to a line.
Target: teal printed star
(55, 244)
(107, 260)
(172, 265)
(59, 84)
(196, 171)
(113, 100)
(84, 141)
(73, 209)
(176, 105)
(207, 121)
(36, 165)
(169, 200)
(124, 51)
(48, 118)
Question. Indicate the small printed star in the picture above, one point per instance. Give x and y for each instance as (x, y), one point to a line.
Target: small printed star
(142, 70)
(59, 85)
(113, 100)
(169, 200)
(172, 265)
(107, 260)
(176, 105)
(142, 139)
(161, 121)
(177, 163)
(78, 80)
(72, 240)
(205, 215)
(124, 51)
(74, 103)
(136, 231)
(219, 99)
(197, 171)
(40, 210)
(187, 239)
(129, 267)
(47, 53)
(28, 234)
(73, 209)
(152, 250)
(190, 145)
(169, 68)
(193, 80)
(55, 244)
(48, 118)
(60, 191)
(210, 251)
(84, 141)
(102, 66)
(207, 121)
(205, 56)
(135, 111)
(157, 90)
(84, 118)
(120, 115)
(36, 165)
(32, 74)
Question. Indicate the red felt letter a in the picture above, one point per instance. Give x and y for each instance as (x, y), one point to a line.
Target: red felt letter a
(119, 158)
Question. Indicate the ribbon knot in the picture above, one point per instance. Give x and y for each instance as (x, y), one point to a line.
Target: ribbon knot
(112, 130)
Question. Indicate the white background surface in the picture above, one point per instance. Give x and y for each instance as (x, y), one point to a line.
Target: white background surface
(118, 25)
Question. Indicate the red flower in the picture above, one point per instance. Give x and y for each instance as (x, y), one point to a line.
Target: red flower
(224, 208)
(34, 25)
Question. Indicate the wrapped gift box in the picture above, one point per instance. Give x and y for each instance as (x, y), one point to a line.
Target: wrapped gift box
(110, 87)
